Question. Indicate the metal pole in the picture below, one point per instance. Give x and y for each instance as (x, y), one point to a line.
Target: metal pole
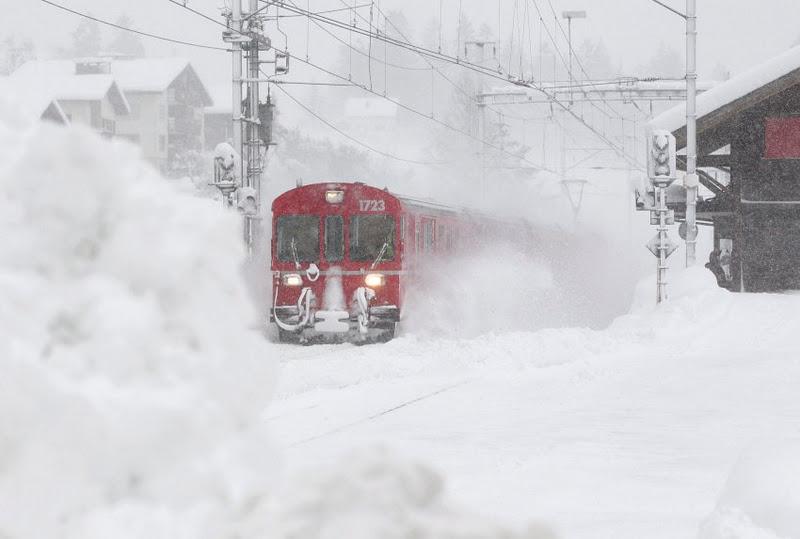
(691, 181)
(253, 176)
(569, 38)
(662, 243)
(236, 105)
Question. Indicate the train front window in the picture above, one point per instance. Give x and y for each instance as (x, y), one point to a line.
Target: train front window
(298, 238)
(334, 238)
(371, 236)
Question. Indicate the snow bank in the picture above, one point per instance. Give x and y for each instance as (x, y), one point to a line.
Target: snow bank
(373, 493)
(761, 499)
(131, 387)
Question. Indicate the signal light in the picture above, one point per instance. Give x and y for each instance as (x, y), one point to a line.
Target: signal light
(662, 158)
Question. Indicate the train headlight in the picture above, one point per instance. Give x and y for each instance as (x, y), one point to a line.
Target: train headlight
(292, 279)
(374, 280)
(334, 197)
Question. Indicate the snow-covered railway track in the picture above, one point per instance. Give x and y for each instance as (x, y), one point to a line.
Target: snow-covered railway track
(376, 415)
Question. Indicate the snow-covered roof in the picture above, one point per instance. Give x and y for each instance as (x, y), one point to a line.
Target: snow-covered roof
(371, 107)
(56, 79)
(153, 74)
(752, 86)
(33, 102)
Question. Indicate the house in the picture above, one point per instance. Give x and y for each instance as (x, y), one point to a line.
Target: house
(84, 92)
(748, 127)
(167, 100)
(32, 103)
(219, 117)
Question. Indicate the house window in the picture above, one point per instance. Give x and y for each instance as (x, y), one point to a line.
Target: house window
(109, 126)
(782, 137)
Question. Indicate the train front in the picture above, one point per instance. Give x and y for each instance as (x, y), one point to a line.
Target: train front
(336, 263)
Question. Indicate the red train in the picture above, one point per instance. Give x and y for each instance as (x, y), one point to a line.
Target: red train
(345, 254)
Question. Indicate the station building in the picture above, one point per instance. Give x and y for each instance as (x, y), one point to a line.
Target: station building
(748, 135)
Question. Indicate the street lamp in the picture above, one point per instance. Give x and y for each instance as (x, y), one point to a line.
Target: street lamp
(569, 15)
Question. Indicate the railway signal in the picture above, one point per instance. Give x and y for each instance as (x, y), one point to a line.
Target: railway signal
(662, 171)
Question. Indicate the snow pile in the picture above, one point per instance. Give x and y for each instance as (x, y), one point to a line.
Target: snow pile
(372, 494)
(131, 386)
(761, 499)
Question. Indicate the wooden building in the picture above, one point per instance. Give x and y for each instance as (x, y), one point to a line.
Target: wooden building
(748, 132)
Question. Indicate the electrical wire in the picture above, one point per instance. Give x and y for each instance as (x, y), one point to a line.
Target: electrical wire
(426, 116)
(132, 30)
(423, 50)
(353, 139)
(479, 69)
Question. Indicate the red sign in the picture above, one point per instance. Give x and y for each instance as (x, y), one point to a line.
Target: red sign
(782, 138)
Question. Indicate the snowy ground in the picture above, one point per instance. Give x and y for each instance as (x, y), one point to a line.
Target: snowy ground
(135, 393)
(629, 432)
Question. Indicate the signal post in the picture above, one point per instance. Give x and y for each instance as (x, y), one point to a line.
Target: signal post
(661, 171)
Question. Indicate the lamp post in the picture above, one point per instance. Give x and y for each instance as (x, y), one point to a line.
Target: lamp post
(569, 15)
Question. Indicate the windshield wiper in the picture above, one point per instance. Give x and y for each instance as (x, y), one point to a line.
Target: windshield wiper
(293, 246)
(380, 255)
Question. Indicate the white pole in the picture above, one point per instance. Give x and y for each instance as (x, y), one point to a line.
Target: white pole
(236, 106)
(691, 181)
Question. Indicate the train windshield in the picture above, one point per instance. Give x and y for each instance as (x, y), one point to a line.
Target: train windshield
(371, 237)
(298, 238)
(334, 238)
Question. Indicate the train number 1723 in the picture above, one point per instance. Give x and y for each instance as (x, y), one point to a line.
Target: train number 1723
(372, 205)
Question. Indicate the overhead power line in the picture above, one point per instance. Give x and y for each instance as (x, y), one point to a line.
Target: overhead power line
(406, 107)
(467, 65)
(132, 30)
(350, 137)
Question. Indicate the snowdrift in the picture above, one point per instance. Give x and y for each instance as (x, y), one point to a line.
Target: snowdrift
(761, 499)
(131, 385)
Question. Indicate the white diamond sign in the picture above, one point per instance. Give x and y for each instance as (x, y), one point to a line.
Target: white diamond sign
(654, 245)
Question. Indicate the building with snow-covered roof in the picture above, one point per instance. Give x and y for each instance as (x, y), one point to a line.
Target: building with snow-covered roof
(749, 128)
(167, 101)
(219, 116)
(91, 98)
(32, 103)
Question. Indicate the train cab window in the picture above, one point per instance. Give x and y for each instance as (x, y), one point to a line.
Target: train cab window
(334, 238)
(368, 234)
(298, 238)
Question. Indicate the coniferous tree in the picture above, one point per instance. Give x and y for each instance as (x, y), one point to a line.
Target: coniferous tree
(86, 39)
(126, 43)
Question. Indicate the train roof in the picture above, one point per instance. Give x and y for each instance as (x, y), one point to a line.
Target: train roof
(415, 203)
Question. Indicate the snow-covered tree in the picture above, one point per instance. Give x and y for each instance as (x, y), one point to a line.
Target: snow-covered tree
(666, 63)
(86, 39)
(126, 43)
(15, 54)
(595, 59)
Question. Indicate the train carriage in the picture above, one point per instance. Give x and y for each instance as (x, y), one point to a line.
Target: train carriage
(344, 255)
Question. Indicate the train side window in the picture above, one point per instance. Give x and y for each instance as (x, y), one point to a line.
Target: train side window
(427, 236)
(334, 238)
